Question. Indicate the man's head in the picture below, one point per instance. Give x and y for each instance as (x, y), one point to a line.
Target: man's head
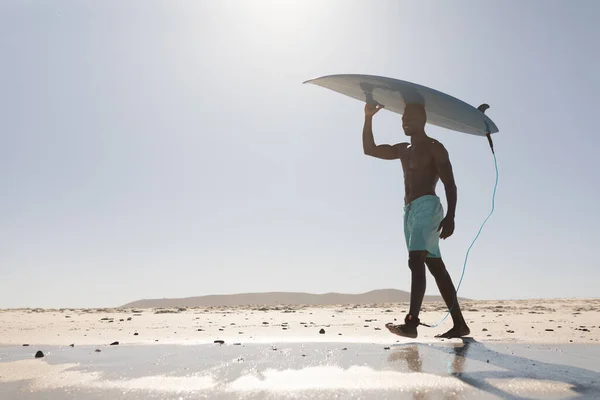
(414, 119)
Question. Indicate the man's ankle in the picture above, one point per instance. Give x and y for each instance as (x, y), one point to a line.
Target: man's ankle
(411, 319)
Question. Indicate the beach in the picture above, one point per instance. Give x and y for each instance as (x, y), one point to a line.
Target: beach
(519, 321)
(530, 348)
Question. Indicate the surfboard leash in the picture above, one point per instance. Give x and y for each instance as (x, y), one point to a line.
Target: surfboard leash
(481, 108)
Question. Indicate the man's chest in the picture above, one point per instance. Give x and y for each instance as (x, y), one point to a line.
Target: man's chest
(417, 157)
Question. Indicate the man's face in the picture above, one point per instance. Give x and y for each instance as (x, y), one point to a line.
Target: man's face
(413, 120)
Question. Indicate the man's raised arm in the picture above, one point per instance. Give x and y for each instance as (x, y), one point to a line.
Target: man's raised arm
(383, 151)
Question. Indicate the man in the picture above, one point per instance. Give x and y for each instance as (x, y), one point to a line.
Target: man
(424, 161)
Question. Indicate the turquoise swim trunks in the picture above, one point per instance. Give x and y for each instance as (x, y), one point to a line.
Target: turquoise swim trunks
(422, 218)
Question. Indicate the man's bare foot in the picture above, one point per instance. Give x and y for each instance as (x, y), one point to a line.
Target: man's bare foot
(456, 332)
(408, 329)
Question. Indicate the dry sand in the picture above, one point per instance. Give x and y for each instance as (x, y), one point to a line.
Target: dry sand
(522, 321)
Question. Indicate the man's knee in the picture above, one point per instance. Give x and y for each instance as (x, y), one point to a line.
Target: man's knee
(416, 259)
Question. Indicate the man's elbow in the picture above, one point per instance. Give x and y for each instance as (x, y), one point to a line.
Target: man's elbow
(450, 186)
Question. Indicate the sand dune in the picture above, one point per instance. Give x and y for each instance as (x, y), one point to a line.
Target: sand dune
(282, 299)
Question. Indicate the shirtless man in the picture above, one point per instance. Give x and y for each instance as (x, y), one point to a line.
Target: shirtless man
(424, 161)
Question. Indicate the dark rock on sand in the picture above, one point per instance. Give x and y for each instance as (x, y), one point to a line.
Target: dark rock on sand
(322, 331)
(114, 344)
(39, 354)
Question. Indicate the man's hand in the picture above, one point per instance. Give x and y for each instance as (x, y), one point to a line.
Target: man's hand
(372, 109)
(446, 227)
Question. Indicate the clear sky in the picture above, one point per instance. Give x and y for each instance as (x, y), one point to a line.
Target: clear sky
(168, 149)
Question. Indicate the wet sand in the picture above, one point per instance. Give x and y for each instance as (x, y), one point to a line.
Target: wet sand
(517, 349)
(457, 369)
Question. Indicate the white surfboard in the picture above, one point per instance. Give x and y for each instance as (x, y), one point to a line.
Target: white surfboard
(442, 110)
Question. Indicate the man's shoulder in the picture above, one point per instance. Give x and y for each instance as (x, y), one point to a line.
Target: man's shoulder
(435, 142)
(438, 151)
(436, 145)
(401, 148)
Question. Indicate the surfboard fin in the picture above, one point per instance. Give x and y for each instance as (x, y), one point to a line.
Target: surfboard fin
(483, 108)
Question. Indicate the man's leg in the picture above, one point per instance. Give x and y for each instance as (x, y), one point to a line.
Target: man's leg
(416, 263)
(444, 282)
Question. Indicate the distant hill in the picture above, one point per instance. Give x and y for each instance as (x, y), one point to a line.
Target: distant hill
(281, 299)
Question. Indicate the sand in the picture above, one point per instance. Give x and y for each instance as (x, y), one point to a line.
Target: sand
(523, 321)
(518, 349)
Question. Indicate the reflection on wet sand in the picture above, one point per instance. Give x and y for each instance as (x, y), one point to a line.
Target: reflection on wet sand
(494, 372)
(422, 371)
(411, 355)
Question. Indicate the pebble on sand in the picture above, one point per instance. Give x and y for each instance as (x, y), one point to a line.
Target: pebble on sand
(39, 354)
(219, 341)
(322, 331)
(114, 344)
